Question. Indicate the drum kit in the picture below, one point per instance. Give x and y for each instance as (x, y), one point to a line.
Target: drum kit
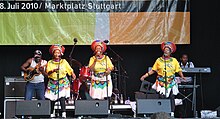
(83, 77)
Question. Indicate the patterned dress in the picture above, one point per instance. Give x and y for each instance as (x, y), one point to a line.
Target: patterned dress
(98, 87)
(172, 67)
(62, 83)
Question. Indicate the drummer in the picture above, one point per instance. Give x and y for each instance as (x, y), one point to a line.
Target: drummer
(101, 66)
(82, 85)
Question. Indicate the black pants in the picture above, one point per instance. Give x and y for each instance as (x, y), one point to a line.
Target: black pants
(62, 104)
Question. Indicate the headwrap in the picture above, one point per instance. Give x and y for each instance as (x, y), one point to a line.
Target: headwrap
(170, 45)
(98, 43)
(56, 47)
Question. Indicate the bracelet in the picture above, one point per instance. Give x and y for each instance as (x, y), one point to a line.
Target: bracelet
(148, 74)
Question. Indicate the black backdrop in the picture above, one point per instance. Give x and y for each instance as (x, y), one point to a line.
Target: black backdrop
(203, 51)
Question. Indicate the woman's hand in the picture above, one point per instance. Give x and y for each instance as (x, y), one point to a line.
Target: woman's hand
(108, 71)
(52, 71)
(147, 75)
(184, 78)
(144, 76)
(181, 75)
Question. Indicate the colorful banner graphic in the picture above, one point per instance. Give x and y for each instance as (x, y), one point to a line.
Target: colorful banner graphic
(120, 22)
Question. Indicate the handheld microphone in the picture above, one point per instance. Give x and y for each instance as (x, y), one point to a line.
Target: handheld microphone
(106, 41)
(98, 52)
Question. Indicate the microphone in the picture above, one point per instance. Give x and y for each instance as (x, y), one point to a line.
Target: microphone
(106, 41)
(75, 40)
(97, 53)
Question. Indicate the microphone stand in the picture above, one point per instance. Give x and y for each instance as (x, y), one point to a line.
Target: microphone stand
(119, 58)
(124, 76)
(70, 58)
(58, 91)
(106, 76)
(71, 64)
(165, 71)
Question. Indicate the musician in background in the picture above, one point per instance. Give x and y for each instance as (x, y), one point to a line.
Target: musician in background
(185, 63)
(166, 67)
(184, 110)
(101, 67)
(35, 83)
(58, 88)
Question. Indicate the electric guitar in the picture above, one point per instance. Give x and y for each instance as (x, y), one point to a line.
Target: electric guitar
(32, 72)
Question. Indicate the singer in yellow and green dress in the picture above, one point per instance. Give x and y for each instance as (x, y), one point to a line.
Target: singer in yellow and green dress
(166, 67)
(58, 88)
(101, 66)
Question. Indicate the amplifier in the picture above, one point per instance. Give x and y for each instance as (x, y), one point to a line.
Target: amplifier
(14, 87)
(91, 107)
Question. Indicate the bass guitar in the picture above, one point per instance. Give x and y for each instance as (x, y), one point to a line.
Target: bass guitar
(32, 72)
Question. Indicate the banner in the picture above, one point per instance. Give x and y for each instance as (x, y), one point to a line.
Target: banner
(121, 22)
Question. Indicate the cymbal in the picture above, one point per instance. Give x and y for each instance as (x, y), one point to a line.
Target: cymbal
(74, 63)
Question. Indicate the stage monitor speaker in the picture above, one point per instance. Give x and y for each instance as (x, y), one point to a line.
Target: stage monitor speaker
(146, 87)
(149, 106)
(33, 108)
(91, 107)
(14, 87)
(9, 108)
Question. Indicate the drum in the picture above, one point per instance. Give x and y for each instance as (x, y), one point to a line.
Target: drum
(85, 73)
(75, 86)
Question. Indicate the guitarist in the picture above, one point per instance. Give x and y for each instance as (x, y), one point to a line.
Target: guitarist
(36, 84)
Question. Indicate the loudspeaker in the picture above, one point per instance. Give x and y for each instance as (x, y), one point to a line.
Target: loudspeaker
(9, 108)
(146, 87)
(14, 87)
(91, 107)
(33, 108)
(149, 106)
